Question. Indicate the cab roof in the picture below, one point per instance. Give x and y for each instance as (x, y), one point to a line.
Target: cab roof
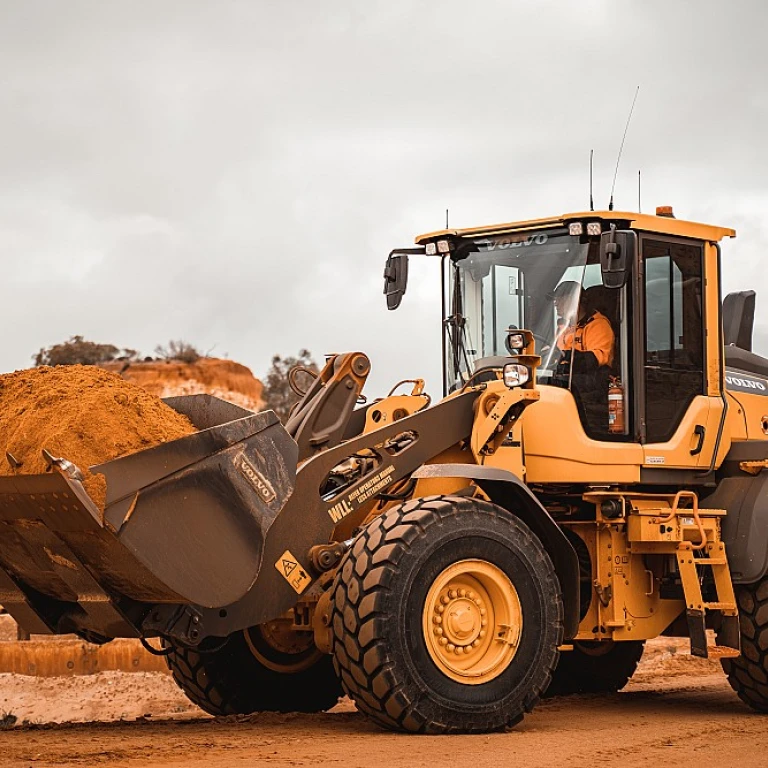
(640, 221)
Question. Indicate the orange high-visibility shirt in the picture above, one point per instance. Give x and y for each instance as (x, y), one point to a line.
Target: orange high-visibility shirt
(593, 334)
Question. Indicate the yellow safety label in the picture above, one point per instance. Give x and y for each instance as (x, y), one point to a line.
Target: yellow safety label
(293, 572)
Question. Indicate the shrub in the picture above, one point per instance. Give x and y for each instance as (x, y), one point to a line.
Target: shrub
(179, 351)
(77, 351)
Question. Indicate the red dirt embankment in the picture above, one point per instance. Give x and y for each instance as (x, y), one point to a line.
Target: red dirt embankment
(80, 413)
(221, 378)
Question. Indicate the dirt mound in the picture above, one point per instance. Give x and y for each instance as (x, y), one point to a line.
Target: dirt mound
(221, 378)
(83, 414)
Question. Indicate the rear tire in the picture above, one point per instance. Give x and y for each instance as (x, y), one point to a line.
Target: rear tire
(249, 674)
(491, 584)
(596, 667)
(748, 673)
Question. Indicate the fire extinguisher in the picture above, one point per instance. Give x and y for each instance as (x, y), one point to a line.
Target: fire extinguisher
(616, 406)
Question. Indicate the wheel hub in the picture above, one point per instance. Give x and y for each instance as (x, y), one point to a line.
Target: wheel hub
(460, 619)
(472, 621)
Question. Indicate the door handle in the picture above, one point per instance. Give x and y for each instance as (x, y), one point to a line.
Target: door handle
(700, 431)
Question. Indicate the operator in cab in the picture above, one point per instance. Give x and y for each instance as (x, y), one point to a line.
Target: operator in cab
(587, 342)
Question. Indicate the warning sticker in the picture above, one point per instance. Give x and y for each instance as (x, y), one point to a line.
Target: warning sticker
(293, 572)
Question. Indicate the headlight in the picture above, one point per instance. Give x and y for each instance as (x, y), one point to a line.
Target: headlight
(516, 374)
(576, 228)
(431, 249)
(443, 246)
(515, 341)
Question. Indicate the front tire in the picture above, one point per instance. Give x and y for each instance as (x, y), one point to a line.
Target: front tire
(446, 618)
(263, 669)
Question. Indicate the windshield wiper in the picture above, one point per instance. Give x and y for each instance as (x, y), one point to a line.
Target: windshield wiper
(456, 328)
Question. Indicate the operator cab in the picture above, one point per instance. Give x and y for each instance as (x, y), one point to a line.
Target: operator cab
(634, 323)
(546, 282)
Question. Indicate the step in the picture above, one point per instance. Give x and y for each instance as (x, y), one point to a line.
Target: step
(720, 606)
(722, 652)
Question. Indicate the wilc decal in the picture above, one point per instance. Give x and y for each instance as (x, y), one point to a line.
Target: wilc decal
(361, 494)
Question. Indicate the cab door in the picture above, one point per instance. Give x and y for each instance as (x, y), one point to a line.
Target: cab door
(682, 403)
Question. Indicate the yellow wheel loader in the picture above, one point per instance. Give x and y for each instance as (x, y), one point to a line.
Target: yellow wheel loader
(593, 476)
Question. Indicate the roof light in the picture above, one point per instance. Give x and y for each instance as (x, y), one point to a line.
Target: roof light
(443, 246)
(665, 210)
(594, 228)
(515, 341)
(576, 228)
(431, 249)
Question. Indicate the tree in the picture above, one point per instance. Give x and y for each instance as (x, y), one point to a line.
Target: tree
(178, 350)
(277, 393)
(77, 351)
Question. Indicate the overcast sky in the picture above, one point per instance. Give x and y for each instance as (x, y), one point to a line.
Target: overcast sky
(234, 173)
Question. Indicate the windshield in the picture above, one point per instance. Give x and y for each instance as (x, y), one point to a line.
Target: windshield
(511, 281)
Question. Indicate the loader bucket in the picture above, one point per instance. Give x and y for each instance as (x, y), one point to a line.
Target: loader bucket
(184, 522)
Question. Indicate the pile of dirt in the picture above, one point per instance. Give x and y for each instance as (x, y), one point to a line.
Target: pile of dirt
(80, 413)
(222, 378)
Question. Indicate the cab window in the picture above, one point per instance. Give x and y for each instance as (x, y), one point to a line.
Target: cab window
(674, 339)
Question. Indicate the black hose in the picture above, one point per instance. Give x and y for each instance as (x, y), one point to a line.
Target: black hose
(168, 651)
(400, 495)
(155, 651)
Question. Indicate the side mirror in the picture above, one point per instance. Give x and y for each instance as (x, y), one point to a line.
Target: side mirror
(395, 278)
(617, 253)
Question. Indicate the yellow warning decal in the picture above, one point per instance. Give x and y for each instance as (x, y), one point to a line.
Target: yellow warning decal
(293, 572)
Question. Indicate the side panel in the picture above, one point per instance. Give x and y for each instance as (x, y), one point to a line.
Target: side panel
(689, 446)
(751, 393)
(557, 450)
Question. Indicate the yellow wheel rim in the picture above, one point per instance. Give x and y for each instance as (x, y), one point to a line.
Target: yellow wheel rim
(472, 621)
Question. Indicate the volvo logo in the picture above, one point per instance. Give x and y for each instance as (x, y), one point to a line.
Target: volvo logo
(257, 480)
(744, 383)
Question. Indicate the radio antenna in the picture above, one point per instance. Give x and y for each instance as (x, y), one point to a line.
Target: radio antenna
(591, 199)
(621, 148)
(639, 203)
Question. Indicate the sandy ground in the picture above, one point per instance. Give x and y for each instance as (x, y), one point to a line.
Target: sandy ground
(676, 711)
